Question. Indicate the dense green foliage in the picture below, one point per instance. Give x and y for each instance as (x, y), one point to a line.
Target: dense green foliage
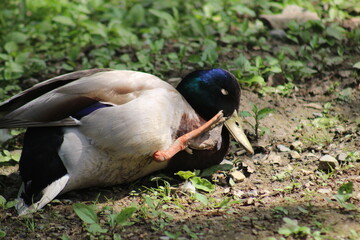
(39, 39)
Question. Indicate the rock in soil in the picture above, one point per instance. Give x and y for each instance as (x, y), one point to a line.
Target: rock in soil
(283, 148)
(342, 157)
(327, 162)
(297, 144)
(237, 176)
(295, 155)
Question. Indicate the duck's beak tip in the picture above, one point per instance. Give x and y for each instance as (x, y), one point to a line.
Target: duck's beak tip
(234, 125)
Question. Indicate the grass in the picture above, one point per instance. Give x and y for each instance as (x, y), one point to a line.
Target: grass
(41, 39)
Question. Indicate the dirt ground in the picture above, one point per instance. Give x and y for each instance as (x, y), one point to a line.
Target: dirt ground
(287, 181)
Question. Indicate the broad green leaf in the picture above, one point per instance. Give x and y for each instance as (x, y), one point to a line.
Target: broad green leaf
(245, 114)
(64, 20)
(2, 233)
(124, 215)
(136, 15)
(210, 53)
(2, 201)
(11, 47)
(185, 174)
(96, 228)
(257, 79)
(17, 37)
(10, 204)
(65, 237)
(201, 198)
(335, 32)
(357, 65)
(95, 28)
(213, 169)
(163, 15)
(117, 236)
(258, 62)
(264, 112)
(285, 231)
(244, 10)
(254, 108)
(275, 69)
(346, 188)
(86, 213)
(202, 184)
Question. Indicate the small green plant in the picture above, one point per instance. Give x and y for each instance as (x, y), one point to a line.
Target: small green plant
(257, 114)
(152, 209)
(89, 215)
(6, 204)
(291, 227)
(345, 95)
(7, 156)
(279, 211)
(343, 195)
(2, 233)
(254, 75)
(29, 223)
(199, 183)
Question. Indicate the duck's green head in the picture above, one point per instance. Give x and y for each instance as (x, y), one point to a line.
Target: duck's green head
(209, 91)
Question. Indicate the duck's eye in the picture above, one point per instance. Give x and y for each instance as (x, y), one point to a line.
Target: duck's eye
(224, 92)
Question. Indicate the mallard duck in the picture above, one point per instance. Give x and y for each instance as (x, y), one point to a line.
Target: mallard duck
(104, 127)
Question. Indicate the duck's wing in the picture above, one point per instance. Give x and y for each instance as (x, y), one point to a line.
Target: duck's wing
(53, 102)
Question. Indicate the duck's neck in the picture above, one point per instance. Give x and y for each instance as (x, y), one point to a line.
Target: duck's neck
(201, 159)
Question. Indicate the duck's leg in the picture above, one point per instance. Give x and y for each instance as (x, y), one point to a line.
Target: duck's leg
(182, 142)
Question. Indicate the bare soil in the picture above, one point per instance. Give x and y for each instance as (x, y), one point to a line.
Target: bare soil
(278, 184)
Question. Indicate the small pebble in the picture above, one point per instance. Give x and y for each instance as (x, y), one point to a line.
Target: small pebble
(306, 172)
(295, 155)
(297, 144)
(313, 105)
(237, 176)
(273, 158)
(278, 34)
(342, 157)
(239, 193)
(317, 114)
(225, 161)
(327, 163)
(283, 148)
(250, 201)
(324, 190)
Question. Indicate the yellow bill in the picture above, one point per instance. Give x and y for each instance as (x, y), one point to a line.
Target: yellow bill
(233, 124)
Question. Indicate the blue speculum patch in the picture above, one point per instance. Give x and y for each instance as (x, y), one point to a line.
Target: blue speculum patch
(86, 111)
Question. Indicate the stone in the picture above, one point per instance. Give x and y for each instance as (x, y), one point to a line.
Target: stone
(282, 148)
(278, 34)
(327, 163)
(324, 190)
(342, 156)
(297, 144)
(225, 161)
(317, 114)
(273, 158)
(237, 176)
(249, 166)
(295, 155)
(314, 105)
(239, 193)
(306, 172)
